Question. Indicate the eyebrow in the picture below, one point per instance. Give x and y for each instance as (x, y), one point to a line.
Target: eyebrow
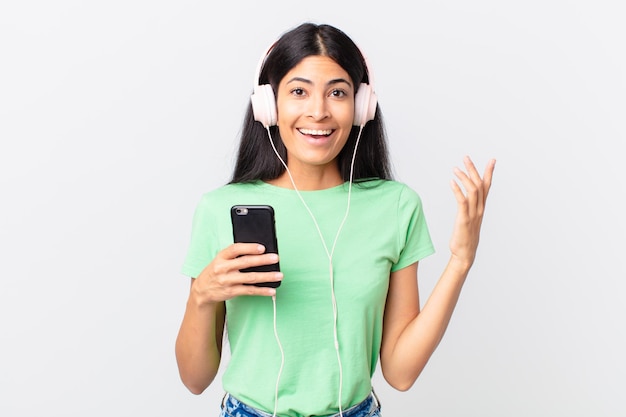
(331, 82)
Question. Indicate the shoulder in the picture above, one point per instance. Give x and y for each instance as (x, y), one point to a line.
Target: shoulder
(389, 189)
(226, 193)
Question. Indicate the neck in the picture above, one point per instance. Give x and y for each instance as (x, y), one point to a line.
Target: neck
(309, 179)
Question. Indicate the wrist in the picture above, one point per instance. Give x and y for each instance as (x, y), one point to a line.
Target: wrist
(198, 300)
(459, 265)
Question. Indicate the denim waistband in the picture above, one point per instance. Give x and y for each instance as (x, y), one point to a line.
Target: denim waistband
(232, 407)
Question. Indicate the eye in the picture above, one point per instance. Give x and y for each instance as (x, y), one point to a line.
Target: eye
(338, 93)
(297, 92)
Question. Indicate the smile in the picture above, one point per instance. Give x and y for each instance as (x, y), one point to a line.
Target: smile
(316, 132)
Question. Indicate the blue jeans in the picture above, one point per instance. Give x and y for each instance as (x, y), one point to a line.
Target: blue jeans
(232, 407)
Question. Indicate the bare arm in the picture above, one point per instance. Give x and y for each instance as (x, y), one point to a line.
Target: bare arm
(199, 341)
(410, 336)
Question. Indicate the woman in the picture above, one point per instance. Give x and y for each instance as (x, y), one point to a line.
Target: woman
(349, 255)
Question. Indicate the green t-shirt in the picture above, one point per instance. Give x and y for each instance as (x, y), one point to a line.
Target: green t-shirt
(385, 231)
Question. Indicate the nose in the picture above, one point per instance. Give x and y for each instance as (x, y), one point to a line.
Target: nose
(318, 108)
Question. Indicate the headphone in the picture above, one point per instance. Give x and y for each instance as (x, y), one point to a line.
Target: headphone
(264, 101)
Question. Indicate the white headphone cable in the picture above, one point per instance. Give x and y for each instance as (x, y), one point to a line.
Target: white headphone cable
(330, 260)
(282, 358)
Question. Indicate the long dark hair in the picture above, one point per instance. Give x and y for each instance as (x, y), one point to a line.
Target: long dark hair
(256, 159)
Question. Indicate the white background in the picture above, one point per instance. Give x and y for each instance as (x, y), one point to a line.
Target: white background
(116, 116)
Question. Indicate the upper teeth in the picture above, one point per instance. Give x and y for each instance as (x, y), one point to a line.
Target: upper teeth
(316, 132)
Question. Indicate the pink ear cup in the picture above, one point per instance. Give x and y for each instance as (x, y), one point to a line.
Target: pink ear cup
(264, 105)
(364, 105)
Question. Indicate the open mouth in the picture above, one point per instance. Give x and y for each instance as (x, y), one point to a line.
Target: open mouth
(316, 133)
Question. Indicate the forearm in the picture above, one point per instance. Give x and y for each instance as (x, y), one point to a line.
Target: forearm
(199, 344)
(417, 342)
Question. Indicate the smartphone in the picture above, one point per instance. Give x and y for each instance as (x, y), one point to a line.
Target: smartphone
(256, 224)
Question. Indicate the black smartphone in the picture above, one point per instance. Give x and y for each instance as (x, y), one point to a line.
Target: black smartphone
(256, 224)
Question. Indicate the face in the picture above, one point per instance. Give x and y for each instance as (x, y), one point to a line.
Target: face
(315, 109)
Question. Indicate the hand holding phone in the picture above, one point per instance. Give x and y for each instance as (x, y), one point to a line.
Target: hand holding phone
(256, 224)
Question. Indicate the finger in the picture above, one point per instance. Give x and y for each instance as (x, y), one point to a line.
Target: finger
(259, 277)
(238, 249)
(252, 290)
(487, 178)
(471, 191)
(461, 200)
(471, 169)
(249, 261)
(477, 180)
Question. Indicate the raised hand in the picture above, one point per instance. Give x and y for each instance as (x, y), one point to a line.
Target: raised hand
(471, 201)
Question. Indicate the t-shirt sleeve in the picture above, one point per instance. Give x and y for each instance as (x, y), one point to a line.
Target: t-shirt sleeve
(202, 246)
(415, 241)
